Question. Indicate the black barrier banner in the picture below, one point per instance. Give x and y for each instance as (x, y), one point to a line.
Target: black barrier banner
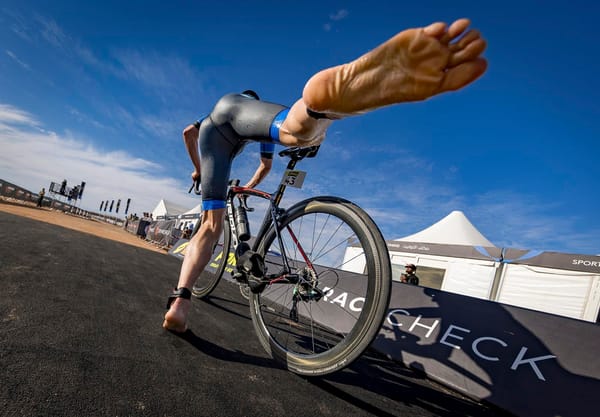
(178, 249)
(530, 363)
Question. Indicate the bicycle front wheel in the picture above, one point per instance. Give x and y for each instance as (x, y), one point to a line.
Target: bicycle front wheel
(210, 277)
(325, 320)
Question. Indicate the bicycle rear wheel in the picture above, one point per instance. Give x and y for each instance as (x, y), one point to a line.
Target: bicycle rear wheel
(210, 277)
(326, 320)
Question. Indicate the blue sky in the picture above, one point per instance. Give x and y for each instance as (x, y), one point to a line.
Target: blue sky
(100, 92)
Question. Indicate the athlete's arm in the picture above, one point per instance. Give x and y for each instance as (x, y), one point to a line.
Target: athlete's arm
(261, 172)
(190, 138)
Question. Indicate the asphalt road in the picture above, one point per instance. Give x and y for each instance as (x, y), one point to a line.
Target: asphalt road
(80, 335)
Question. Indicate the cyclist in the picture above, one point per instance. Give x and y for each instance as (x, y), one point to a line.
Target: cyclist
(413, 65)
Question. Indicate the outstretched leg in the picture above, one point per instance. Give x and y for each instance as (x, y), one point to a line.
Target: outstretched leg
(413, 65)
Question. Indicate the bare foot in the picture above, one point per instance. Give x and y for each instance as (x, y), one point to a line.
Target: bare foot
(176, 316)
(413, 65)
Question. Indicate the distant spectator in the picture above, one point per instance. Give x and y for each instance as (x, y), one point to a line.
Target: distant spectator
(409, 277)
(41, 195)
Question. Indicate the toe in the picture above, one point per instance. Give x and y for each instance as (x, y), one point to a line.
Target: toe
(437, 30)
(471, 52)
(463, 74)
(174, 327)
(455, 30)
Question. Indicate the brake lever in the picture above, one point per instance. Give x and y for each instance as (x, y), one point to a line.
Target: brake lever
(244, 204)
(196, 187)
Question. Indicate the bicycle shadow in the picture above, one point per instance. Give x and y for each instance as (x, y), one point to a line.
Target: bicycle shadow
(373, 376)
(362, 384)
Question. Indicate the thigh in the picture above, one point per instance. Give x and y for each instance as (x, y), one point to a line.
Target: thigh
(216, 155)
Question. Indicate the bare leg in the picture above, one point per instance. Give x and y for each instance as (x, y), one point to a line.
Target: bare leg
(197, 255)
(413, 65)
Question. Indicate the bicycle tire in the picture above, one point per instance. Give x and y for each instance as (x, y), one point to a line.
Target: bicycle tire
(327, 334)
(212, 273)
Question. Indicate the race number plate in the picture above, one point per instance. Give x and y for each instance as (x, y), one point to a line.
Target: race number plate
(293, 178)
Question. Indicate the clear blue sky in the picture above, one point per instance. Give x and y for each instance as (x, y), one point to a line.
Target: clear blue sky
(99, 91)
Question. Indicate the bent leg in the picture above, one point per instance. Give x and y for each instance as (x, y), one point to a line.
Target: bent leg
(197, 256)
(413, 65)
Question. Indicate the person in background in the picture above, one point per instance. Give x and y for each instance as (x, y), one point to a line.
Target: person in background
(187, 232)
(41, 197)
(409, 276)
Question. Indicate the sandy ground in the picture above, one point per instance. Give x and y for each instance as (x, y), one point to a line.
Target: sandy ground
(92, 227)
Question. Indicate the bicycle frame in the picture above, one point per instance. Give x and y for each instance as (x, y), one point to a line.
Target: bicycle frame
(273, 214)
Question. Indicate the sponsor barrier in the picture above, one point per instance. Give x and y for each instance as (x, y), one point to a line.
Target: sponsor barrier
(12, 191)
(527, 362)
(530, 363)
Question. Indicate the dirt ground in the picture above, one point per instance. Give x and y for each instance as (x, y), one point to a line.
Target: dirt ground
(92, 227)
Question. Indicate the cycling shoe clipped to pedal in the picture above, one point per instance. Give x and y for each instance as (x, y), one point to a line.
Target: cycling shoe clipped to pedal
(250, 268)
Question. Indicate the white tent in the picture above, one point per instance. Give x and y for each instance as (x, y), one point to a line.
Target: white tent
(167, 208)
(454, 229)
(196, 210)
(452, 255)
(189, 217)
(463, 275)
(446, 250)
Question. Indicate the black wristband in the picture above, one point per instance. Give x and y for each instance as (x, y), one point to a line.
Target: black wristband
(197, 124)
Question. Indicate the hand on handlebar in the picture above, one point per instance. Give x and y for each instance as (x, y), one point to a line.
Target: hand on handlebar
(196, 187)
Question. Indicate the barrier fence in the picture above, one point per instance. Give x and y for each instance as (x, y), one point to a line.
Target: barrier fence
(162, 233)
(14, 193)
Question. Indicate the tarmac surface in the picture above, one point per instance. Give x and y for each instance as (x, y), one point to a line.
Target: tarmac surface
(80, 335)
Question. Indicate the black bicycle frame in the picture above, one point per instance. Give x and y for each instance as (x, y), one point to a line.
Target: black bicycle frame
(271, 216)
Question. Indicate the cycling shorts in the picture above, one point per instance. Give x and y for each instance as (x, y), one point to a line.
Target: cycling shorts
(235, 120)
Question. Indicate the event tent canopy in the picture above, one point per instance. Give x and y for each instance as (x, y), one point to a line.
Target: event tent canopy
(167, 208)
(454, 229)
